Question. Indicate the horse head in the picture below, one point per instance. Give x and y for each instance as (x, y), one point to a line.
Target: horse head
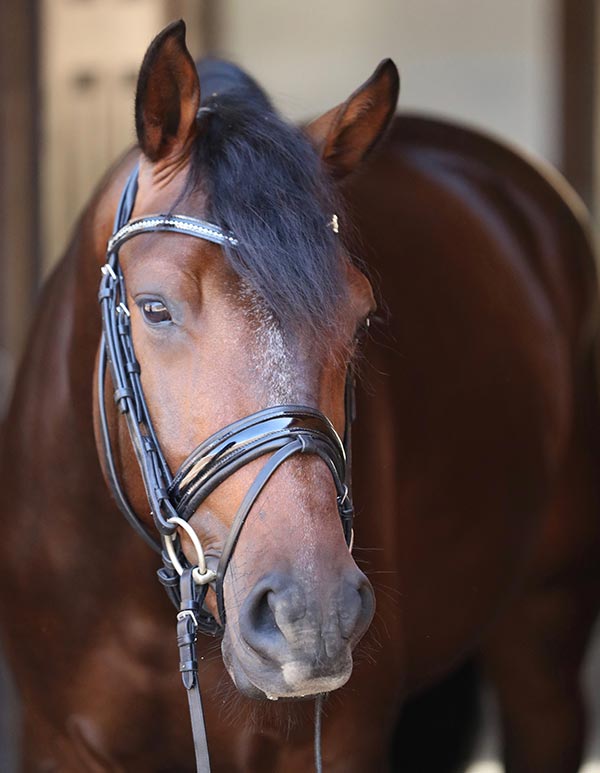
(226, 331)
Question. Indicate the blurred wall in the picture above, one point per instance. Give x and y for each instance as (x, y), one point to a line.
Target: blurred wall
(495, 64)
(90, 56)
(594, 128)
(19, 211)
(489, 63)
(523, 69)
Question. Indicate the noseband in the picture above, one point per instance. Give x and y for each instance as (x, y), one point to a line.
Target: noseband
(280, 431)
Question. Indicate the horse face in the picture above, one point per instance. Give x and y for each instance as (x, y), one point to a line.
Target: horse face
(210, 353)
(214, 346)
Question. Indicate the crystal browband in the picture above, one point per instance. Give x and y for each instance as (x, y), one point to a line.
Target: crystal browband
(173, 223)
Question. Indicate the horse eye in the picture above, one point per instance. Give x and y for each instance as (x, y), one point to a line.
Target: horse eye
(155, 312)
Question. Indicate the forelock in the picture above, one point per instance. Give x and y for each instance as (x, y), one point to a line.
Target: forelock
(264, 182)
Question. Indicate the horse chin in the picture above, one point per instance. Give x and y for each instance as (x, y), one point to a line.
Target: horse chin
(291, 681)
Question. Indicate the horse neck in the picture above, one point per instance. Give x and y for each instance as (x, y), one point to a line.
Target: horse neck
(52, 481)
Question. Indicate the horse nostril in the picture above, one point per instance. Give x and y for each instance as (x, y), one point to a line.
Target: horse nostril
(258, 617)
(357, 606)
(260, 612)
(276, 617)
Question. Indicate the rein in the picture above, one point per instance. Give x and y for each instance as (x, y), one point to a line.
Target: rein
(279, 431)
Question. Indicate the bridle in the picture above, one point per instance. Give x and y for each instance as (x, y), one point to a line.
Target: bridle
(280, 431)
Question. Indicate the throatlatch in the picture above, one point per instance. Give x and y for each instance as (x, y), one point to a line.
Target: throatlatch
(279, 432)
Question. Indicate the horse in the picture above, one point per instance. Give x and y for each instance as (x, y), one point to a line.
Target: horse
(456, 280)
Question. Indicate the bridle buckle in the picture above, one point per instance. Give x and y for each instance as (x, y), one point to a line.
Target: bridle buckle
(187, 613)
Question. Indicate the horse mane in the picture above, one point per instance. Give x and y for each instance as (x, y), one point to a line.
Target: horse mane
(265, 182)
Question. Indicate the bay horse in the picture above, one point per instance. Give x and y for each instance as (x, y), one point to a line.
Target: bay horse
(475, 470)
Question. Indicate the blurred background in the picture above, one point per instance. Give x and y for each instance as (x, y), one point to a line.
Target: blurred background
(523, 69)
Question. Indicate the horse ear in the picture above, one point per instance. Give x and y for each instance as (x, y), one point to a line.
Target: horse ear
(167, 96)
(345, 135)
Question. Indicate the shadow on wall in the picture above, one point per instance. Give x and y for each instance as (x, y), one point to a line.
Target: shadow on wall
(8, 710)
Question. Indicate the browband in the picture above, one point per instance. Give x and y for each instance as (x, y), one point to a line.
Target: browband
(173, 223)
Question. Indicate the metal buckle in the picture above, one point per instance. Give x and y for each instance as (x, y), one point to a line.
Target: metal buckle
(108, 269)
(188, 613)
(122, 308)
(201, 573)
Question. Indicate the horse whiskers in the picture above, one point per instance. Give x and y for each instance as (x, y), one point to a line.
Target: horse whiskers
(388, 591)
(210, 653)
(280, 718)
(362, 654)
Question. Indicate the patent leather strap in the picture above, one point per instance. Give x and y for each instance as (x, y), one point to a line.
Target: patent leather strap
(247, 439)
(280, 431)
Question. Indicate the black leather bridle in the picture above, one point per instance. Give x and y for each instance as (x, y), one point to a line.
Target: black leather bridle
(280, 432)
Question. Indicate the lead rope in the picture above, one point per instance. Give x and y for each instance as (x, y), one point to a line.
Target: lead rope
(318, 728)
(192, 597)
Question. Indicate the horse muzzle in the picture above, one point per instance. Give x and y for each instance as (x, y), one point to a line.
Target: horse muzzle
(294, 639)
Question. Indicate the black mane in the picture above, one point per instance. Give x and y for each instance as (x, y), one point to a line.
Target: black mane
(265, 183)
